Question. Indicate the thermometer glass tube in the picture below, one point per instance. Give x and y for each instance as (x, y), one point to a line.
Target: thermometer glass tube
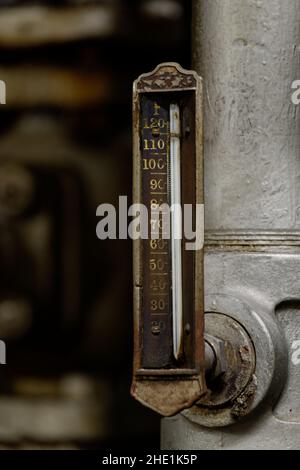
(176, 228)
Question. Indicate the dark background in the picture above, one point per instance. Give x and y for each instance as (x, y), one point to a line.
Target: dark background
(65, 148)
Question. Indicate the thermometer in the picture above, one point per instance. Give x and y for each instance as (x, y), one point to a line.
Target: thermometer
(169, 361)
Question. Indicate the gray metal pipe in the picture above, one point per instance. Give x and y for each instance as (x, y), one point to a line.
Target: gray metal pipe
(248, 54)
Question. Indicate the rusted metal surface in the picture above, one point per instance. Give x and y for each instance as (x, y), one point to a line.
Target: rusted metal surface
(167, 397)
(166, 78)
(160, 382)
(235, 360)
(220, 363)
(231, 382)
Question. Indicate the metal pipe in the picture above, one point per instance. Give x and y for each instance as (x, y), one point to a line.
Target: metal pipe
(248, 55)
(247, 52)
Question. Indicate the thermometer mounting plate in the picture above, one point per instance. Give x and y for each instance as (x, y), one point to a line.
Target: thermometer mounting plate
(169, 370)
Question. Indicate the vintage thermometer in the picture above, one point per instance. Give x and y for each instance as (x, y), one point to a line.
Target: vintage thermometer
(168, 278)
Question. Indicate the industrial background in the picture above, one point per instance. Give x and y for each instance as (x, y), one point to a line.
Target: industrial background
(65, 148)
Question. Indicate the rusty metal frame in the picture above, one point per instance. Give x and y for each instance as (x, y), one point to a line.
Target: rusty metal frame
(168, 391)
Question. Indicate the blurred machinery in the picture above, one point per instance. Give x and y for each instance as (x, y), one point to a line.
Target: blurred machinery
(65, 297)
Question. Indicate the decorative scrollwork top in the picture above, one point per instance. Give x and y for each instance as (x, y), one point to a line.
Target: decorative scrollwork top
(167, 76)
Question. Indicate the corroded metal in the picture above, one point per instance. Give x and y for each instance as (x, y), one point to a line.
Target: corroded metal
(159, 381)
(169, 76)
(235, 361)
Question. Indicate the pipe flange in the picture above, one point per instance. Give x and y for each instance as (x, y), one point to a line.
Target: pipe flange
(255, 350)
(234, 348)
